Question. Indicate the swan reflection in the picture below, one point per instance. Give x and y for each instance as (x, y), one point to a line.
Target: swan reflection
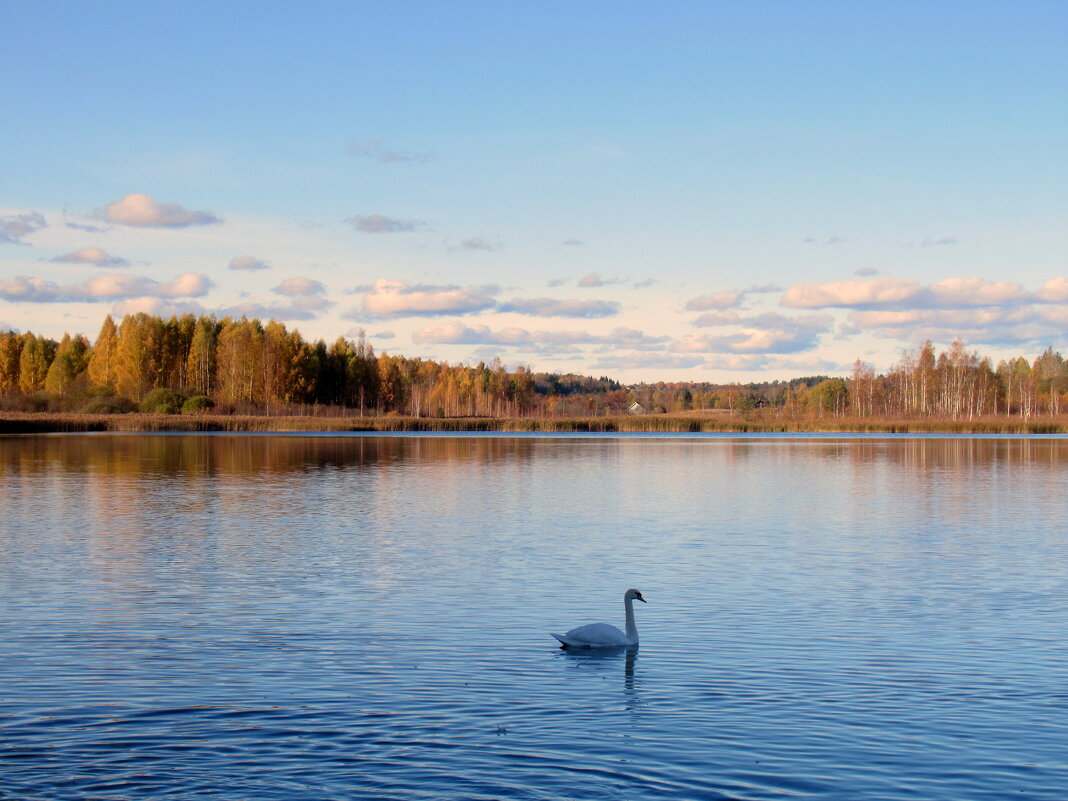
(605, 660)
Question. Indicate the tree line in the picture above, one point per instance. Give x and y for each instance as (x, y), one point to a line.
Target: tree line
(956, 384)
(192, 364)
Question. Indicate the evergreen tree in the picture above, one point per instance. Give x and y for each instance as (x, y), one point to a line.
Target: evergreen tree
(363, 375)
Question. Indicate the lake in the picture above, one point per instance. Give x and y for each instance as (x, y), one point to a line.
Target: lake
(339, 617)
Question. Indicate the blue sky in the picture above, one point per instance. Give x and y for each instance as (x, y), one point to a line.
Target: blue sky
(705, 191)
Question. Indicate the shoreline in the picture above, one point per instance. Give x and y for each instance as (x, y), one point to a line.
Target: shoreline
(52, 423)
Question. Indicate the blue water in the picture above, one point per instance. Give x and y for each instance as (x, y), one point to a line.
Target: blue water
(340, 617)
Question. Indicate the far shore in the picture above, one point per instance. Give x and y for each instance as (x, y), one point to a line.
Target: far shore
(689, 422)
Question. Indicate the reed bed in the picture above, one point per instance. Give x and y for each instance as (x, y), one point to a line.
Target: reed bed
(37, 423)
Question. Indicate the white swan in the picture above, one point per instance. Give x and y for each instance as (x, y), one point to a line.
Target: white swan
(603, 635)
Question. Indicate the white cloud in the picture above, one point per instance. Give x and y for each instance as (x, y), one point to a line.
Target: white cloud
(873, 292)
(595, 280)
(5, 327)
(457, 333)
(297, 309)
(477, 243)
(1008, 326)
(92, 255)
(738, 361)
(157, 307)
(549, 307)
(647, 361)
(634, 339)
(391, 299)
(143, 211)
(380, 224)
(967, 292)
(714, 318)
(846, 330)
(812, 365)
(1054, 291)
(247, 263)
(374, 149)
(866, 272)
(113, 286)
(572, 243)
(762, 333)
(754, 362)
(724, 299)
(14, 227)
(102, 287)
(903, 294)
(186, 285)
(758, 289)
(295, 287)
(92, 229)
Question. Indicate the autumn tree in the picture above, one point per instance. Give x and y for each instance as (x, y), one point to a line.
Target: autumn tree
(392, 391)
(200, 363)
(1049, 370)
(34, 361)
(829, 397)
(10, 351)
(69, 364)
(140, 356)
(238, 358)
(103, 362)
(862, 389)
(283, 366)
(524, 389)
(176, 342)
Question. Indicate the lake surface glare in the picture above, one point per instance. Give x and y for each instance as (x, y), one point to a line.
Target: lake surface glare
(348, 617)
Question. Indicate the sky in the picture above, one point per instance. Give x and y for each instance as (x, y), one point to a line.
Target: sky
(670, 191)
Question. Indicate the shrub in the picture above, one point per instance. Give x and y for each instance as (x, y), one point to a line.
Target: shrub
(40, 401)
(162, 401)
(198, 404)
(108, 404)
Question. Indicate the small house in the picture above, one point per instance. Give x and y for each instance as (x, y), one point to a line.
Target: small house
(636, 408)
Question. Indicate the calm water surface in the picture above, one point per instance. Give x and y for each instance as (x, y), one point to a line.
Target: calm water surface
(338, 617)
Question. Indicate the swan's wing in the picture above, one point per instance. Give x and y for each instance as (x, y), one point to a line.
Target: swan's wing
(595, 635)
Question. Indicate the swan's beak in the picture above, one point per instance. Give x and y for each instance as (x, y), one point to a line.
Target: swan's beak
(642, 600)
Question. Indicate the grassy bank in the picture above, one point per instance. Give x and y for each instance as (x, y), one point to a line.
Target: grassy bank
(30, 423)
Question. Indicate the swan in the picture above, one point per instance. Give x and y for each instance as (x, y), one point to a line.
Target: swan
(603, 635)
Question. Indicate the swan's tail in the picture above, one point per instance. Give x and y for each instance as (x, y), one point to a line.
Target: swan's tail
(563, 643)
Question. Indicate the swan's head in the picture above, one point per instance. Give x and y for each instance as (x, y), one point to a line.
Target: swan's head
(634, 595)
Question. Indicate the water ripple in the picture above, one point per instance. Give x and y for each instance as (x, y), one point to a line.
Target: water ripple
(358, 618)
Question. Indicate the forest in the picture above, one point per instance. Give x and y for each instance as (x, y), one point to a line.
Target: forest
(193, 365)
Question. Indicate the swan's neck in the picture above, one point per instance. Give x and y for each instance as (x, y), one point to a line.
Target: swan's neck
(632, 630)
